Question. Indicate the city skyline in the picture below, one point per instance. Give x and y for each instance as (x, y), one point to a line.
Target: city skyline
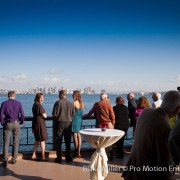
(115, 45)
(55, 90)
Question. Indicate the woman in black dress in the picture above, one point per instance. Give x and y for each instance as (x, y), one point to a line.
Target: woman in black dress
(122, 123)
(39, 126)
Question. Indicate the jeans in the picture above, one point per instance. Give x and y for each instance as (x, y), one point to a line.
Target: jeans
(11, 128)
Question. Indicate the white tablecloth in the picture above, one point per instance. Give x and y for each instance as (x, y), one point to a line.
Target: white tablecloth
(100, 139)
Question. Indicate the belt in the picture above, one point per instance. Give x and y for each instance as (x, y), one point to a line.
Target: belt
(11, 121)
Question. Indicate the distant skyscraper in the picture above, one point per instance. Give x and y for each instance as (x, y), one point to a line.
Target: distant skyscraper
(88, 90)
(67, 91)
(103, 91)
(44, 90)
(55, 90)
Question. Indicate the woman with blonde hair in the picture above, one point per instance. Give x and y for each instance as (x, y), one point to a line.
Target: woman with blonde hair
(77, 122)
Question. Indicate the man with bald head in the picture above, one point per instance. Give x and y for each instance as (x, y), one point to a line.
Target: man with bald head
(150, 157)
(103, 111)
(156, 100)
(105, 117)
(132, 105)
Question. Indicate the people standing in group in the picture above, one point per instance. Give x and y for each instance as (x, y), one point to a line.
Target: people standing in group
(63, 113)
(39, 126)
(142, 103)
(77, 122)
(156, 96)
(122, 123)
(132, 105)
(150, 156)
(12, 117)
(105, 117)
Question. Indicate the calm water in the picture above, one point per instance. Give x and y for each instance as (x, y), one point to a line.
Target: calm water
(89, 100)
(28, 99)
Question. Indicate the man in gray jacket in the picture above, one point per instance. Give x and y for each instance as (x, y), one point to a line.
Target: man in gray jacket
(63, 112)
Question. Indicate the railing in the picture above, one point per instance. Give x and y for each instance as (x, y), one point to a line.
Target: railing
(27, 137)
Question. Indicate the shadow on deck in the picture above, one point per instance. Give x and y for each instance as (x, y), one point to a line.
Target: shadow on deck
(27, 169)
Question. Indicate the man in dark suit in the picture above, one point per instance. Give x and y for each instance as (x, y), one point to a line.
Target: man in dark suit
(132, 104)
(174, 140)
(150, 157)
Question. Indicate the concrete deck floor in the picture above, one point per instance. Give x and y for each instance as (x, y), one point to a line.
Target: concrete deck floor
(27, 169)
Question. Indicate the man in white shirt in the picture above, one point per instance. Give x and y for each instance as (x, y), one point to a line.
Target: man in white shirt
(157, 100)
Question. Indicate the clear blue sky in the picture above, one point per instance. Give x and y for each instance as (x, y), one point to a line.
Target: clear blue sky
(106, 44)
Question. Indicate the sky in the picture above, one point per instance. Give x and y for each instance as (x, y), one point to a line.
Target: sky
(116, 45)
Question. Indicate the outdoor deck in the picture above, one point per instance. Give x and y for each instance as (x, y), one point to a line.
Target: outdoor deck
(27, 169)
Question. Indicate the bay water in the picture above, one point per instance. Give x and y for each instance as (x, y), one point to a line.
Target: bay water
(27, 101)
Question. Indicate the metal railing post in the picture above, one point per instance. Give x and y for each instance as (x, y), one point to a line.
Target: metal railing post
(54, 136)
(29, 138)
